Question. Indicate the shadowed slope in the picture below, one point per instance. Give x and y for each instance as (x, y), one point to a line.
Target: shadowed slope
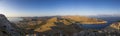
(7, 28)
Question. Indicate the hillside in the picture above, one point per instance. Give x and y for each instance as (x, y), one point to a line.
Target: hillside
(116, 25)
(56, 24)
(6, 27)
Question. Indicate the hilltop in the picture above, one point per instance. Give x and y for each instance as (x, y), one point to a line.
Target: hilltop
(57, 24)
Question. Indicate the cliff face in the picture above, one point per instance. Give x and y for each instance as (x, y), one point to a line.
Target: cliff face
(54, 26)
(6, 29)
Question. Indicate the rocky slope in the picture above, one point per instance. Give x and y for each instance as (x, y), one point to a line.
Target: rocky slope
(60, 25)
(84, 20)
(55, 26)
(112, 30)
(116, 25)
(6, 28)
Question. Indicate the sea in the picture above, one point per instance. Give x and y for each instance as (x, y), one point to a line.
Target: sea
(109, 20)
(14, 19)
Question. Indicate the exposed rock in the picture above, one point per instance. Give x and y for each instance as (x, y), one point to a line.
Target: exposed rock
(7, 28)
(98, 33)
(60, 25)
(56, 26)
(116, 25)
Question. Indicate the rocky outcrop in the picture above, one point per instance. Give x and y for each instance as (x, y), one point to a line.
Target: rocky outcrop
(116, 25)
(57, 25)
(98, 33)
(6, 28)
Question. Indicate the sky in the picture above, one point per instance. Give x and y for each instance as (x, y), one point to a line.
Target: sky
(19, 8)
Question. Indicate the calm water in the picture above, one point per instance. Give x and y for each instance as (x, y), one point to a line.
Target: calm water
(14, 19)
(109, 20)
(95, 26)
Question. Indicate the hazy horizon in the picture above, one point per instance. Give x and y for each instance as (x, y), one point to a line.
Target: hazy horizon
(18, 8)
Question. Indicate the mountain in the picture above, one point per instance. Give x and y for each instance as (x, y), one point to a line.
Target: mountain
(55, 26)
(6, 28)
(51, 24)
(61, 25)
(85, 20)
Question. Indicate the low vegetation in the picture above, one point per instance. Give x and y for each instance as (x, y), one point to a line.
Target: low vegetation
(56, 24)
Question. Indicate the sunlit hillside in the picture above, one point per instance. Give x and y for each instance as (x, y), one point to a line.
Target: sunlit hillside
(56, 24)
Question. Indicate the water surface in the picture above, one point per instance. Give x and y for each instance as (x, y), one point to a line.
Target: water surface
(14, 19)
(109, 20)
